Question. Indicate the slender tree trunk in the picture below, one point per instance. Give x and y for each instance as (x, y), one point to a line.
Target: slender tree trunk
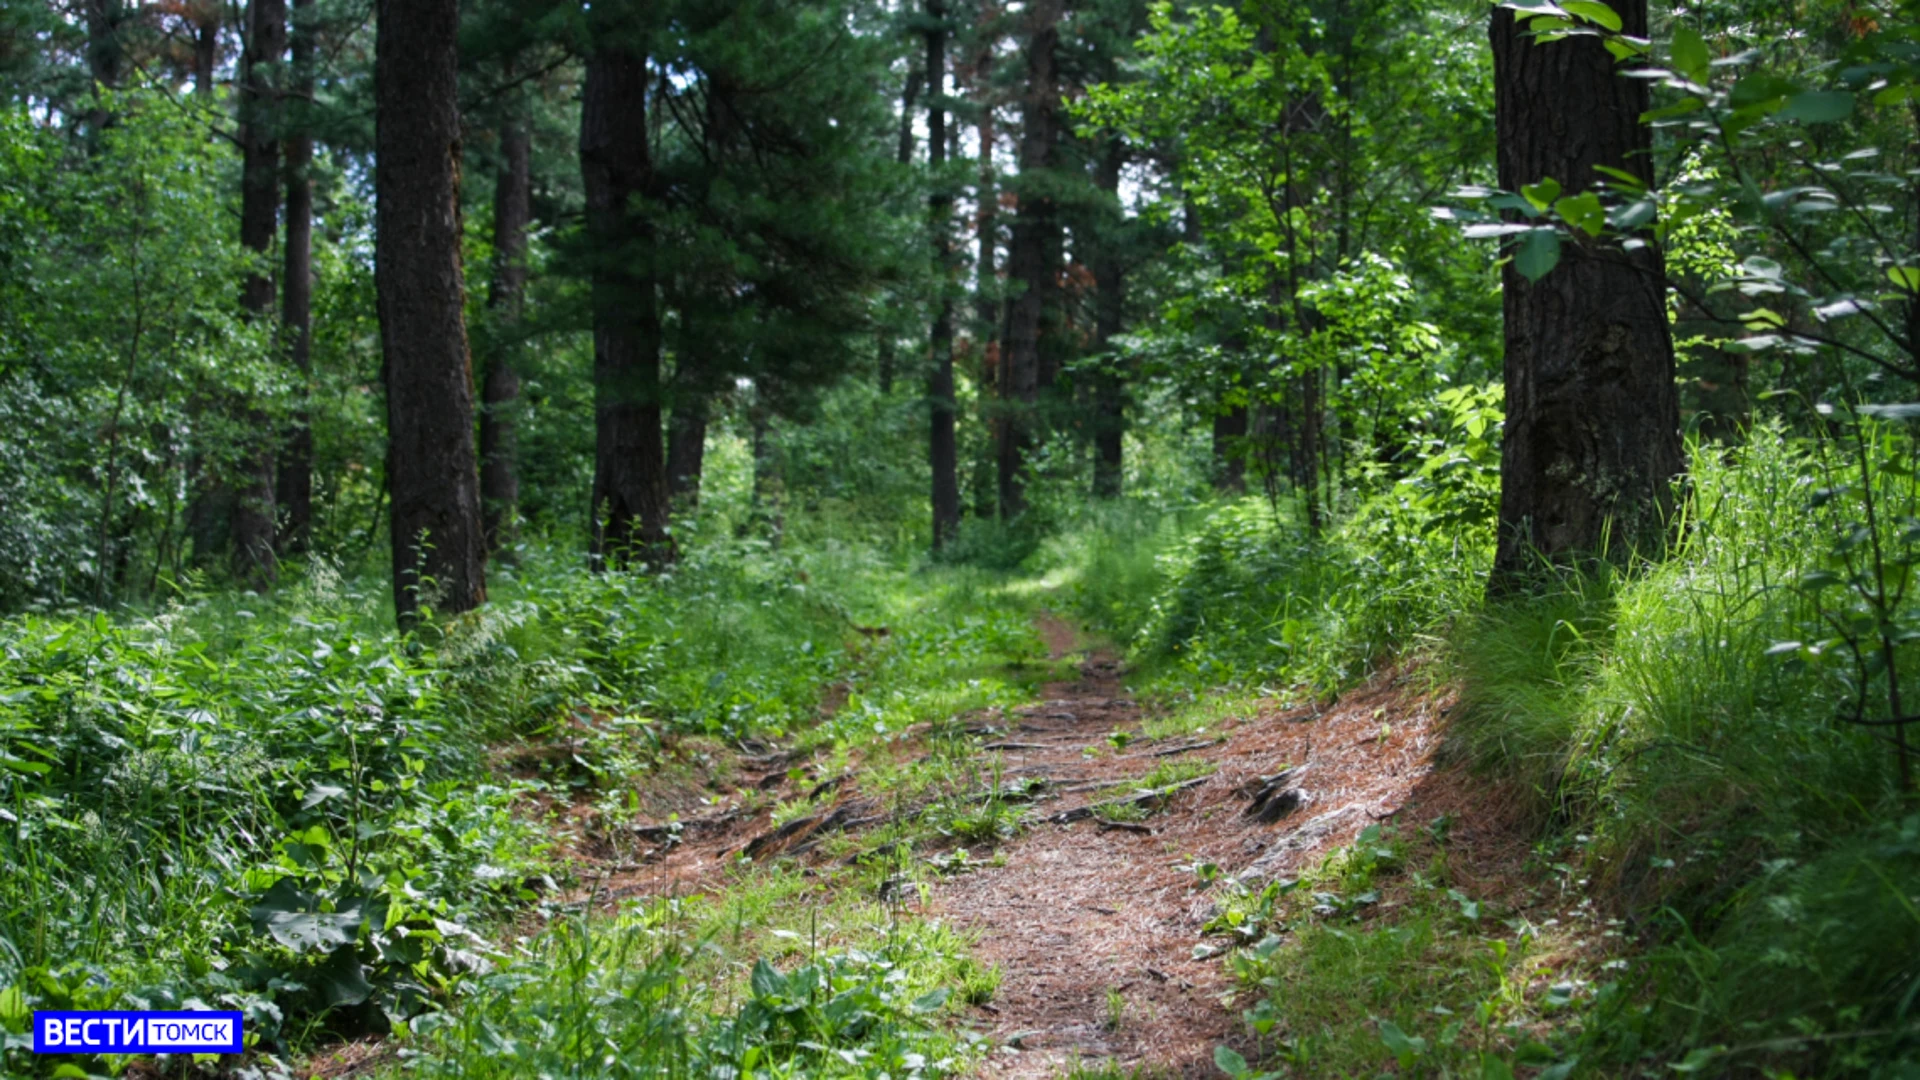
(252, 529)
(687, 443)
(500, 393)
(986, 308)
(1230, 450)
(1592, 440)
(943, 451)
(631, 502)
(439, 552)
(1109, 388)
(886, 347)
(295, 479)
(1035, 232)
(206, 47)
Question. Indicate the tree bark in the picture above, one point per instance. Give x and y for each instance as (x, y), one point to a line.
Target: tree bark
(295, 478)
(500, 392)
(631, 504)
(439, 552)
(1592, 440)
(886, 348)
(943, 451)
(687, 443)
(1109, 388)
(252, 529)
(1035, 232)
(1230, 451)
(206, 47)
(986, 308)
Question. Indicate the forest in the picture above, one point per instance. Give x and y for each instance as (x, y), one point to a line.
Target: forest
(1103, 539)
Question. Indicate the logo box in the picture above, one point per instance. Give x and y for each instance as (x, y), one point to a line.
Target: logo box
(136, 1031)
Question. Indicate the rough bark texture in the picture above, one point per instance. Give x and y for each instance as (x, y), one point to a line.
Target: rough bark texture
(1035, 235)
(631, 504)
(943, 451)
(1592, 441)
(1109, 389)
(253, 525)
(500, 392)
(294, 483)
(432, 473)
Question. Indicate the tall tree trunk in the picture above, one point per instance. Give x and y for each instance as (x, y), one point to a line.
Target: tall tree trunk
(1035, 233)
(206, 47)
(106, 55)
(986, 308)
(631, 505)
(439, 552)
(687, 442)
(500, 392)
(295, 478)
(886, 347)
(1109, 389)
(769, 496)
(1230, 450)
(943, 452)
(252, 529)
(1592, 440)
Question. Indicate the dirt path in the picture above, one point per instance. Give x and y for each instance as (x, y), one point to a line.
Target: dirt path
(1092, 923)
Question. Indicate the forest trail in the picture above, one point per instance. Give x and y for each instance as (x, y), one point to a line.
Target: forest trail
(1095, 916)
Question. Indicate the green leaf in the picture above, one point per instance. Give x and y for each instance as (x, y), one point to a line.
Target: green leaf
(1906, 277)
(342, 980)
(1538, 254)
(930, 1001)
(767, 981)
(1818, 107)
(1542, 194)
(1756, 89)
(1404, 1046)
(1689, 54)
(1594, 12)
(1583, 212)
(1229, 1061)
(1682, 107)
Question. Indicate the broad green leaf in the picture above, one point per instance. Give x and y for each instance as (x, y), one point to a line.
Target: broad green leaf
(1583, 212)
(1818, 107)
(1229, 1061)
(1538, 254)
(1690, 55)
(342, 980)
(1682, 107)
(1542, 194)
(1906, 277)
(1594, 12)
(1757, 89)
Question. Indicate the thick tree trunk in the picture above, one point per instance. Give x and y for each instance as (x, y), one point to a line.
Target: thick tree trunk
(1592, 441)
(1109, 389)
(106, 54)
(295, 479)
(631, 504)
(439, 552)
(500, 392)
(253, 524)
(687, 444)
(943, 452)
(1035, 235)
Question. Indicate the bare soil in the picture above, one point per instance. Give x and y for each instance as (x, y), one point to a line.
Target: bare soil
(1092, 923)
